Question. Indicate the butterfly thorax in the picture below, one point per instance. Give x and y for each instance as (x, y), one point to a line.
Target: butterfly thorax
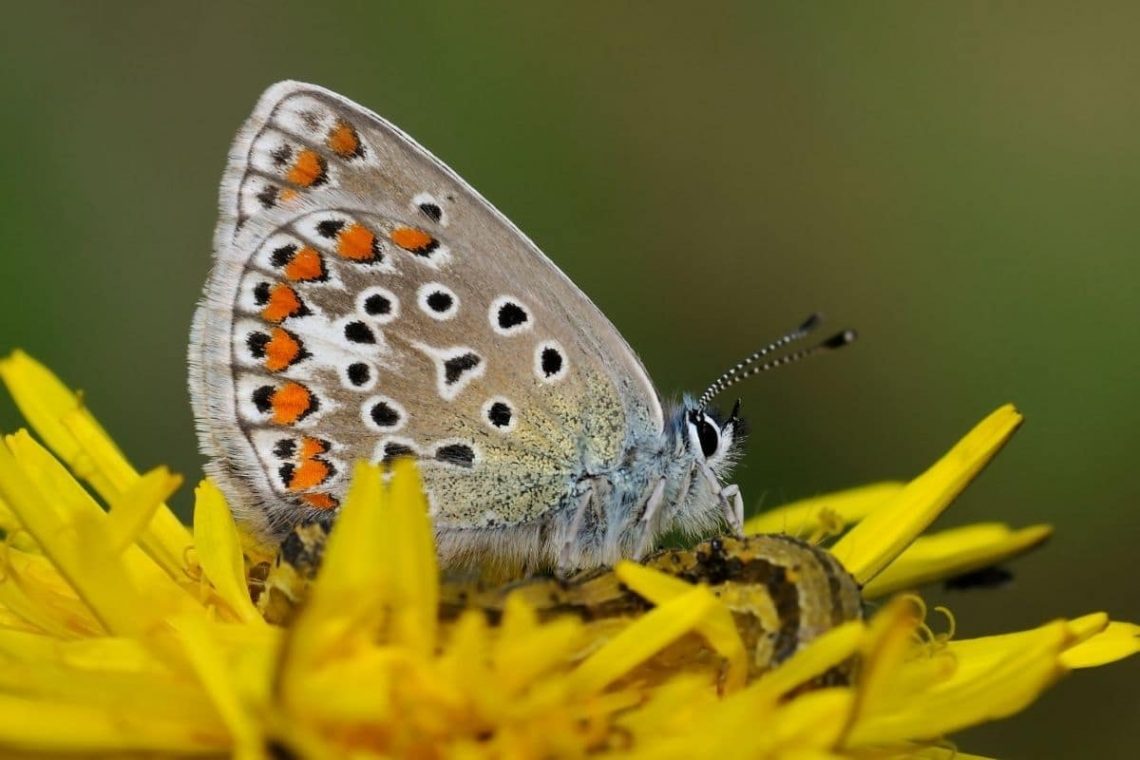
(670, 482)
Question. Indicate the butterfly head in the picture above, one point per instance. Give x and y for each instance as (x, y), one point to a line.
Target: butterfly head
(711, 437)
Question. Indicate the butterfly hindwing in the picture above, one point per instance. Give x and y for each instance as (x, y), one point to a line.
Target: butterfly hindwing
(366, 303)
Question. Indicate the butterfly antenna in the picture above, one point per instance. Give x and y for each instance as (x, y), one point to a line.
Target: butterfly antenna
(748, 368)
(728, 378)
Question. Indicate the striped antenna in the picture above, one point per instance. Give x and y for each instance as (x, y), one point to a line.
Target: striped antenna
(729, 376)
(748, 367)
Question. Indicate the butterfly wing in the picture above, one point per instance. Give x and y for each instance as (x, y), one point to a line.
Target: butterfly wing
(365, 302)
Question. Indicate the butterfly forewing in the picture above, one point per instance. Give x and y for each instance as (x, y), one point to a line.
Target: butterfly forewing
(366, 303)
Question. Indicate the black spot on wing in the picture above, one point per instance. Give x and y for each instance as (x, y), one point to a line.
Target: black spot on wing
(281, 154)
(456, 453)
(283, 255)
(263, 398)
(267, 197)
(511, 315)
(439, 302)
(359, 373)
(285, 448)
(431, 211)
(384, 415)
(454, 367)
(499, 414)
(551, 361)
(377, 305)
(358, 332)
(330, 228)
(393, 450)
(256, 342)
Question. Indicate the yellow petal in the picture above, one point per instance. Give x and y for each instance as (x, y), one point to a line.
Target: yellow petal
(977, 655)
(209, 663)
(953, 552)
(465, 660)
(717, 628)
(12, 533)
(1087, 626)
(32, 588)
(165, 538)
(823, 653)
(814, 720)
(353, 558)
(112, 674)
(37, 726)
(526, 649)
(124, 590)
(883, 535)
(97, 653)
(60, 539)
(806, 517)
(888, 643)
(132, 510)
(218, 549)
(320, 694)
(411, 557)
(41, 611)
(1117, 641)
(351, 588)
(675, 706)
(1006, 683)
(59, 417)
(639, 641)
(43, 400)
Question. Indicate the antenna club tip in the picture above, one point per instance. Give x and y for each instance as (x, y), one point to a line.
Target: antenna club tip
(839, 340)
(811, 322)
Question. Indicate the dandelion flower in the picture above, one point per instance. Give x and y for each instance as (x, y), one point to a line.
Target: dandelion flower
(123, 631)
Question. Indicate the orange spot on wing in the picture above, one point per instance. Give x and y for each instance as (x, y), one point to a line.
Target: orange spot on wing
(320, 500)
(311, 447)
(306, 265)
(291, 402)
(411, 239)
(287, 194)
(344, 141)
(308, 169)
(282, 350)
(310, 473)
(283, 303)
(357, 243)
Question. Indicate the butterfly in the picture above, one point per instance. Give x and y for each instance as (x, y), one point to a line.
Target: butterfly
(366, 303)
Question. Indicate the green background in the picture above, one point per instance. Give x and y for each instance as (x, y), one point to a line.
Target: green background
(960, 181)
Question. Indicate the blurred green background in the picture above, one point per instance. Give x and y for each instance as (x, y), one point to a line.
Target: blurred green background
(960, 181)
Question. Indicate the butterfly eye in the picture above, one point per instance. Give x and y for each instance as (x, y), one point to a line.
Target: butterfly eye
(708, 437)
(707, 434)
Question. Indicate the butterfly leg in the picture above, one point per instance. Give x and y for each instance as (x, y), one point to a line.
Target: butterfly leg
(731, 502)
(652, 505)
(566, 564)
(656, 497)
(733, 505)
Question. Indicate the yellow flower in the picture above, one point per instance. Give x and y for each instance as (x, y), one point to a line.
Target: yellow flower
(121, 631)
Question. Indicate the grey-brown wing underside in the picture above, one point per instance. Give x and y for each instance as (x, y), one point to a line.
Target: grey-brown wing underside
(366, 302)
